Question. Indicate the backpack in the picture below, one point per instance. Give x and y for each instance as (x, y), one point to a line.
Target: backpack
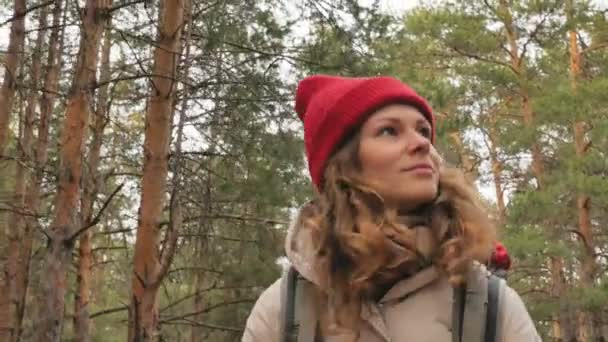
(474, 309)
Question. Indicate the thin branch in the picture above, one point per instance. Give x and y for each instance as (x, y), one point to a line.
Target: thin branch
(207, 309)
(28, 10)
(175, 222)
(98, 216)
(205, 325)
(13, 210)
(483, 59)
(210, 288)
(583, 239)
(232, 217)
(193, 268)
(125, 4)
(183, 299)
(136, 77)
(110, 232)
(142, 68)
(492, 9)
(108, 248)
(109, 311)
(218, 237)
(532, 37)
(594, 47)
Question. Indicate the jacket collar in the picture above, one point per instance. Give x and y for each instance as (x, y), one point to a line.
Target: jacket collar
(409, 285)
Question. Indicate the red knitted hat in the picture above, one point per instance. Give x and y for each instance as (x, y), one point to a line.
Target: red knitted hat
(331, 107)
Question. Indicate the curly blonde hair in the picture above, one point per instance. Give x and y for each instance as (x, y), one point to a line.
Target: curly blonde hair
(364, 248)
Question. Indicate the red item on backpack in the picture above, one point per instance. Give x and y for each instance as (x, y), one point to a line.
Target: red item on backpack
(500, 257)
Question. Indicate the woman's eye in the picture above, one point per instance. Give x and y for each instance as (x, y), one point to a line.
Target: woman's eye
(425, 132)
(387, 131)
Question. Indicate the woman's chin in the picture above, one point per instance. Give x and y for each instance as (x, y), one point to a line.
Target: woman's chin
(415, 197)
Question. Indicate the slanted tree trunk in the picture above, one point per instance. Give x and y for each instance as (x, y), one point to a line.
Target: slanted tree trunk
(32, 195)
(66, 225)
(583, 202)
(89, 195)
(14, 55)
(15, 227)
(149, 265)
(562, 321)
(7, 93)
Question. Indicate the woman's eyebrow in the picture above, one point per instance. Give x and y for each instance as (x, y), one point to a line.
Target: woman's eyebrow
(423, 121)
(389, 118)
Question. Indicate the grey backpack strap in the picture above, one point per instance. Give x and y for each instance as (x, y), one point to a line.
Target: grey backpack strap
(299, 318)
(458, 313)
(494, 286)
(288, 328)
(475, 308)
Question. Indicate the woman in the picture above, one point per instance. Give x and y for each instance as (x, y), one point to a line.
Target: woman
(392, 231)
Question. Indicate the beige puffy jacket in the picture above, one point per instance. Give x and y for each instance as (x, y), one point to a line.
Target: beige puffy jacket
(417, 308)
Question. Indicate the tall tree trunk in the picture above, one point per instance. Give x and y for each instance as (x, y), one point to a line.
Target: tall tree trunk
(15, 227)
(148, 268)
(583, 202)
(562, 328)
(13, 58)
(90, 181)
(66, 224)
(14, 55)
(32, 195)
(562, 321)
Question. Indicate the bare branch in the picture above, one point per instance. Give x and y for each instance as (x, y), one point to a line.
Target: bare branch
(205, 325)
(117, 231)
(594, 47)
(98, 216)
(483, 59)
(21, 212)
(28, 10)
(232, 217)
(532, 37)
(175, 222)
(109, 311)
(125, 4)
(207, 309)
(210, 288)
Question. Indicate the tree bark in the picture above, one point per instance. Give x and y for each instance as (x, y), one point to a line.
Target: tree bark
(66, 222)
(89, 196)
(149, 269)
(17, 257)
(562, 319)
(32, 195)
(583, 202)
(563, 328)
(14, 55)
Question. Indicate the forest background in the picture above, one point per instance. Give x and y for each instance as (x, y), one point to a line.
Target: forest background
(151, 159)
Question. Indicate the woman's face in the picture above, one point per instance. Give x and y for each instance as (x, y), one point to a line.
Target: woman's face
(397, 158)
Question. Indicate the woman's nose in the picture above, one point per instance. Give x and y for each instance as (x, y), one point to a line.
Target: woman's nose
(418, 143)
